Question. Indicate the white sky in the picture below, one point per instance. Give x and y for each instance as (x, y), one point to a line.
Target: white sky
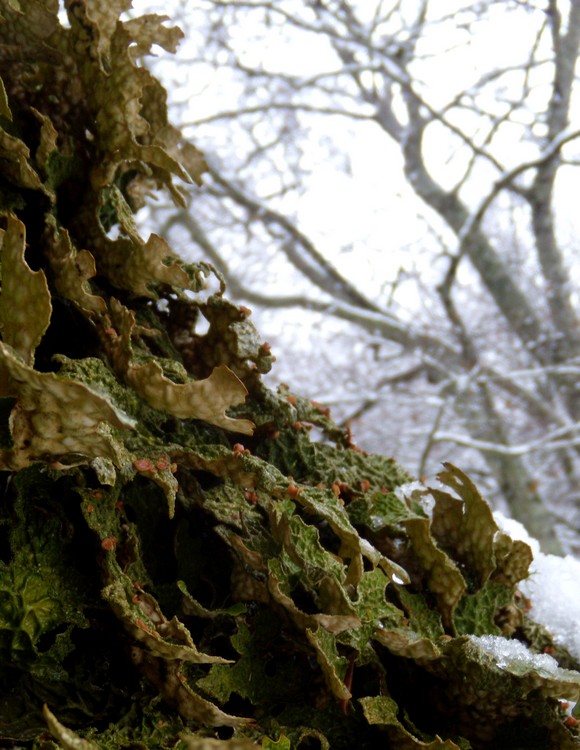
(339, 209)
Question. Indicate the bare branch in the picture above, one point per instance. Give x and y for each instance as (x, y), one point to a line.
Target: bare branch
(299, 249)
(374, 321)
(507, 179)
(234, 114)
(547, 443)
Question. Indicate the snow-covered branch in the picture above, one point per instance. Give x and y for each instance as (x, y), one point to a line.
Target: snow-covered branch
(548, 442)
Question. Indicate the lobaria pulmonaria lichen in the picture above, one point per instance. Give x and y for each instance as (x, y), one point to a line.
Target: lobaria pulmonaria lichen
(161, 583)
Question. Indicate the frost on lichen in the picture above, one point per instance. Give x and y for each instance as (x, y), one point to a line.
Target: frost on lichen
(161, 583)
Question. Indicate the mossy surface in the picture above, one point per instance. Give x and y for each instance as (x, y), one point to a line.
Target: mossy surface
(181, 564)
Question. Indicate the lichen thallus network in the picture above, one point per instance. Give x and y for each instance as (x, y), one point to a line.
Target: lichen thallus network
(181, 565)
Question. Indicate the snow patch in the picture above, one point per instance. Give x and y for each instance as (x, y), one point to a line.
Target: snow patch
(513, 653)
(407, 490)
(553, 588)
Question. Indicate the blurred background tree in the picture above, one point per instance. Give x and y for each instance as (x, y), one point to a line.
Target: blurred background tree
(392, 191)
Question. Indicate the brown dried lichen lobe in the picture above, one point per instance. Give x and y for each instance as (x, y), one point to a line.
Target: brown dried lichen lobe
(143, 619)
(467, 525)
(25, 303)
(72, 270)
(206, 399)
(54, 416)
(200, 399)
(138, 266)
(94, 23)
(65, 736)
(169, 679)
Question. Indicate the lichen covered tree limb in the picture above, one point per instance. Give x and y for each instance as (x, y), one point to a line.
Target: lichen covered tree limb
(162, 583)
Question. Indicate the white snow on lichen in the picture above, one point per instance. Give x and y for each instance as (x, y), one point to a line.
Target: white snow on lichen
(406, 490)
(416, 491)
(514, 654)
(553, 588)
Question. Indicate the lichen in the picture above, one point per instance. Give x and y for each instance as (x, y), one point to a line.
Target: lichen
(161, 583)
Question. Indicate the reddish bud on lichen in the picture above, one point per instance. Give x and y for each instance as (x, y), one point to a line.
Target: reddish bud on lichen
(144, 464)
(365, 485)
(321, 409)
(340, 487)
(523, 602)
(293, 490)
(109, 543)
